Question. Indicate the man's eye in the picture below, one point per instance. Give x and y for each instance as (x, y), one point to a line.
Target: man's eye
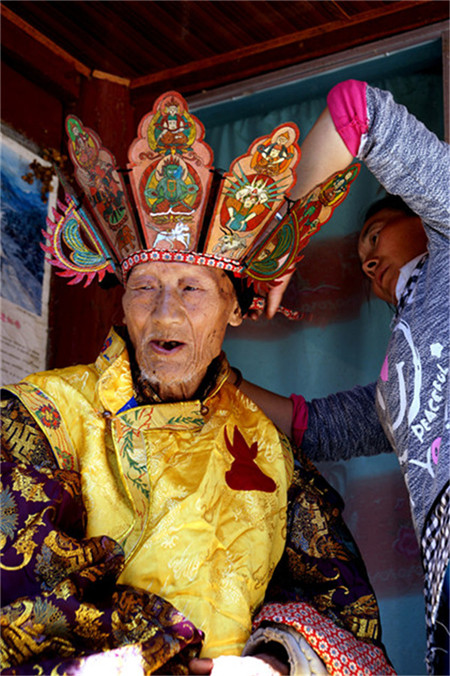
(189, 287)
(373, 238)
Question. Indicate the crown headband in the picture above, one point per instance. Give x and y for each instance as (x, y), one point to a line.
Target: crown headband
(182, 209)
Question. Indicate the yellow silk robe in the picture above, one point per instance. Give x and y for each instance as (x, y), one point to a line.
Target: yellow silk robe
(195, 492)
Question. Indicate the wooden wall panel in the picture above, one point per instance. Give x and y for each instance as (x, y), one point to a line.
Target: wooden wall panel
(30, 110)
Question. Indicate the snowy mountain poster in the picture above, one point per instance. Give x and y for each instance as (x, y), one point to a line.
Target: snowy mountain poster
(25, 275)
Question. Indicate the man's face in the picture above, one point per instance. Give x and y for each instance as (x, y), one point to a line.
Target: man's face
(177, 315)
(389, 240)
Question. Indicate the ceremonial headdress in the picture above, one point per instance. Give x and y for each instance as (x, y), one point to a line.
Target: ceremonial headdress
(183, 210)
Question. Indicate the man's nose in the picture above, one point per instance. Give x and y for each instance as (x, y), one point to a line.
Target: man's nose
(167, 307)
(369, 266)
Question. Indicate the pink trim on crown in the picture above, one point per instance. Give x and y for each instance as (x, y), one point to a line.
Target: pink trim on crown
(192, 257)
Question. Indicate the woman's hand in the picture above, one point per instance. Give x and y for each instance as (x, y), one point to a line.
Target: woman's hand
(276, 294)
(268, 305)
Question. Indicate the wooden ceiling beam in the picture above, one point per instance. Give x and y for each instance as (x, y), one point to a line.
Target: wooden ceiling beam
(405, 9)
(210, 78)
(35, 56)
(43, 40)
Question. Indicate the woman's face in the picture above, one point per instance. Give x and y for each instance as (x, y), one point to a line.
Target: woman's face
(389, 239)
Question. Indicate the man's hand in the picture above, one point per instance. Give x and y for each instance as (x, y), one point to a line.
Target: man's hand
(257, 665)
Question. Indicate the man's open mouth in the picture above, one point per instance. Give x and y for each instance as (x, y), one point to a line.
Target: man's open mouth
(166, 345)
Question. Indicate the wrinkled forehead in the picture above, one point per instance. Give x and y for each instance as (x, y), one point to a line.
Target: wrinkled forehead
(177, 272)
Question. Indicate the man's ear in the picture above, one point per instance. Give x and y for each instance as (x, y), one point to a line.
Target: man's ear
(124, 303)
(235, 318)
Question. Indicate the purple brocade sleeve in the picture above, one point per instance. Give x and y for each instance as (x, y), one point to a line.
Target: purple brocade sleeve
(322, 565)
(60, 596)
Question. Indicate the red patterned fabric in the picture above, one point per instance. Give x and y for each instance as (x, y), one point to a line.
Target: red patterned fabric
(342, 653)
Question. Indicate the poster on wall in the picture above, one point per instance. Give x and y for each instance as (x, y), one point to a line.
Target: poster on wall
(25, 274)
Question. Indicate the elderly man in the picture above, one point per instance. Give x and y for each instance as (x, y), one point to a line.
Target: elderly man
(153, 518)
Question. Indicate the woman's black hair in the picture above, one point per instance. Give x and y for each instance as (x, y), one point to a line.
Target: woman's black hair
(388, 202)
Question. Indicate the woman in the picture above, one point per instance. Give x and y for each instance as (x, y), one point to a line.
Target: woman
(404, 250)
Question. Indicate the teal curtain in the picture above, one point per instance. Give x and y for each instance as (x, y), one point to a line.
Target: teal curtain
(344, 342)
